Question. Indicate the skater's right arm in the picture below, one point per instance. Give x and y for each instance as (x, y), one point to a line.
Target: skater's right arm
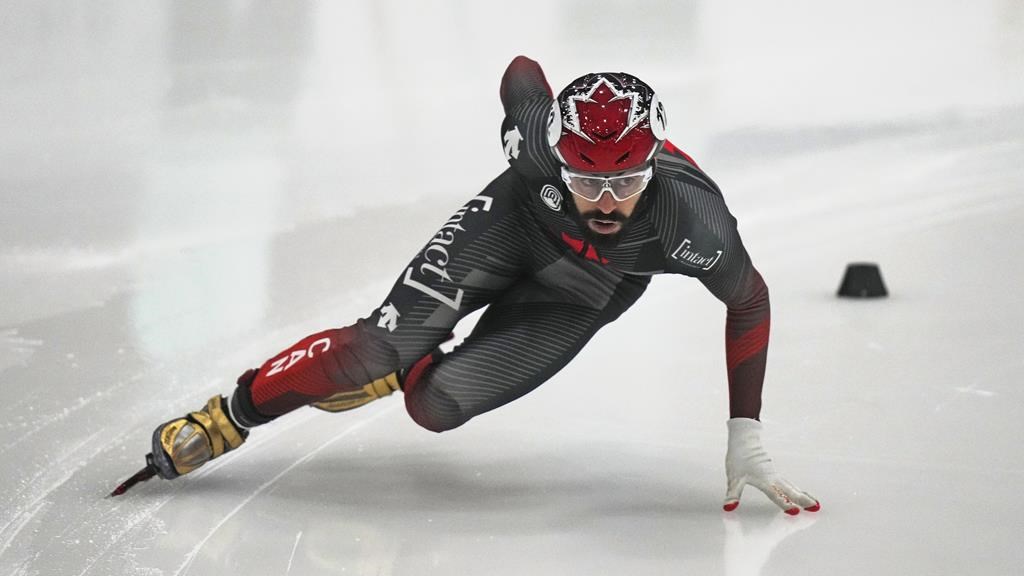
(527, 98)
(523, 80)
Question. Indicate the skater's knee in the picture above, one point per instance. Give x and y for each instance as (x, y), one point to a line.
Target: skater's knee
(434, 410)
(432, 423)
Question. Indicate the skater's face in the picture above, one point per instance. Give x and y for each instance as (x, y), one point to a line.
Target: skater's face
(606, 201)
(606, 215)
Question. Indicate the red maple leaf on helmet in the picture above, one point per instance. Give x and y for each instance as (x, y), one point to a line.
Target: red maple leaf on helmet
(603, 112)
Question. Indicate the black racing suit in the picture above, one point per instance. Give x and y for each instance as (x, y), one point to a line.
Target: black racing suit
(518, 248)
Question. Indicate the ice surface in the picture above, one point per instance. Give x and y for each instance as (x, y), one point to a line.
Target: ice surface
(187, 187)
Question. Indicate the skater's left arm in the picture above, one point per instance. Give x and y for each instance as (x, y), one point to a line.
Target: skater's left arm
(748, 320)
(701, 239)
(737, 284)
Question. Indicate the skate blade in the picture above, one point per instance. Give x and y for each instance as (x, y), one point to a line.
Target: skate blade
(141, 476)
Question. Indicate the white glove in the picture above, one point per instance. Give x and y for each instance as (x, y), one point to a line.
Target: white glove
(746, 462)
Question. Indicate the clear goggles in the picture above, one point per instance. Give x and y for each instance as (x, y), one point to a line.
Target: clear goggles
(622, 187)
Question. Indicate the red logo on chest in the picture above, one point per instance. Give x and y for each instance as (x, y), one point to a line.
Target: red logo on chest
(583, 249)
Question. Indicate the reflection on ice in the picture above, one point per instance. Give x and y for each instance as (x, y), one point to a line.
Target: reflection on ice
(750, 541)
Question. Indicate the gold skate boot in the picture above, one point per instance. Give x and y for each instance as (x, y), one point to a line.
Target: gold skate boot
(184, 444)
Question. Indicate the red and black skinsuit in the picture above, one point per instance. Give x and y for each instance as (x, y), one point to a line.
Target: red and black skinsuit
(518, 248)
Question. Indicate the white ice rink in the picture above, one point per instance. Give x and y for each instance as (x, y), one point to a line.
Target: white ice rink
(187, 187)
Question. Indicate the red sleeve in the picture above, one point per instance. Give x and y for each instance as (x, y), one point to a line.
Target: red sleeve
(747, 327)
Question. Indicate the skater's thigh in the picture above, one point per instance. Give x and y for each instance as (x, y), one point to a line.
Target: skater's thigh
(521, 341)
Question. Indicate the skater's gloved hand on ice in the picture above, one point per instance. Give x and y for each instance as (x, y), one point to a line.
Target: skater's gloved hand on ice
(746, 462)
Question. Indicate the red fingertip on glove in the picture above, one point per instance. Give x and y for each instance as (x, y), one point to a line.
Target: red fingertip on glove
(815, 508)
(793, 511)
(731, 506)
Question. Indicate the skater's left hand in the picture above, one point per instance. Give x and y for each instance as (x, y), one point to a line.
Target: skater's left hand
(746, 462)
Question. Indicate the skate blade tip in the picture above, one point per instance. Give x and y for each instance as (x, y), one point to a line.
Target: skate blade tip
(139, 477)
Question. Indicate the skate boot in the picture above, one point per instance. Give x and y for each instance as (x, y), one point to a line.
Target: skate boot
(184, 444)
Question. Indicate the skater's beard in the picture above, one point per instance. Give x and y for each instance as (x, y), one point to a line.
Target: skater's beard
(603, 240)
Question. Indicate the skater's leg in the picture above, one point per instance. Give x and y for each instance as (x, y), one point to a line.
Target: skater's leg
(475, 256)
(522, 340)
